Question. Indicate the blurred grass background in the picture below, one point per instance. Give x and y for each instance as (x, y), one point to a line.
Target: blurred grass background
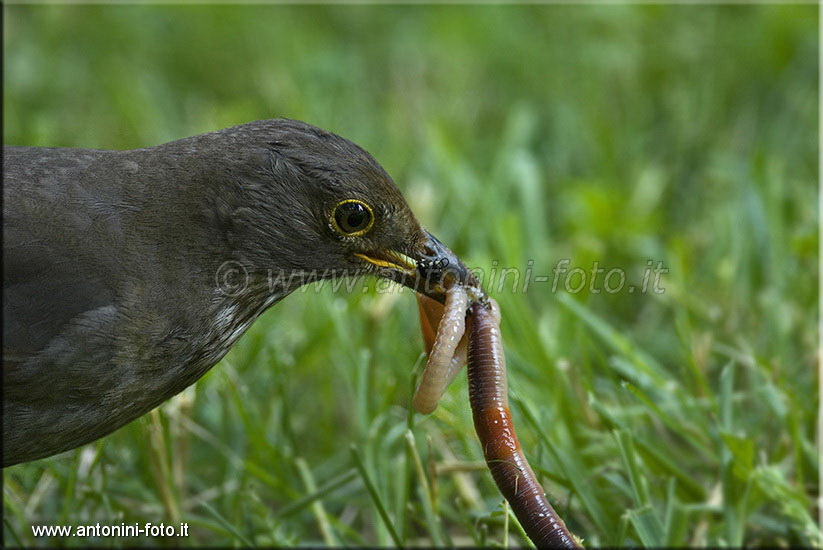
(617, 134)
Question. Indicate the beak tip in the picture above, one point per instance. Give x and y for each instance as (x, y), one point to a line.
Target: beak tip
(438, 269)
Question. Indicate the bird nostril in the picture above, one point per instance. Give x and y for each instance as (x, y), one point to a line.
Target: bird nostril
(429, 252)
(431, 269)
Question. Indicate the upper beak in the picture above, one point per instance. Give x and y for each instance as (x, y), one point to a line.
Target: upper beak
(431, 269)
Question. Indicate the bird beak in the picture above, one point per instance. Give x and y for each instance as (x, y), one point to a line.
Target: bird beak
(430, 270)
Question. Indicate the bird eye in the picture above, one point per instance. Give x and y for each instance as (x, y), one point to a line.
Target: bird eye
(352, 217)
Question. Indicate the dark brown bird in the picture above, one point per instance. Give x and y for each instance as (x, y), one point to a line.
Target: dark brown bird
(128, 274)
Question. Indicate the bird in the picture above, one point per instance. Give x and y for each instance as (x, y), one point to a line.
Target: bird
(128, 274)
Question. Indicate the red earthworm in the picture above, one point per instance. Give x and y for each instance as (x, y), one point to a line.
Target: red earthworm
(461, 354)
(488, 394)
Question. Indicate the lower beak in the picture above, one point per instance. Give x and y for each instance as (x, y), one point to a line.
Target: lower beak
(431, 270)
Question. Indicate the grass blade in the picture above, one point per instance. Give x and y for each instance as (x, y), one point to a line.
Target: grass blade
(375, 496)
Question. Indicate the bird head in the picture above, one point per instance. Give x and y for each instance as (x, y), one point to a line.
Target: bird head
(320, 206)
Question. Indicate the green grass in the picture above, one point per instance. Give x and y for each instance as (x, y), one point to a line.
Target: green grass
(617, 134)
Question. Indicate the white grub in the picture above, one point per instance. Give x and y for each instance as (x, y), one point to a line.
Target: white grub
(435, 379)
(458, 361)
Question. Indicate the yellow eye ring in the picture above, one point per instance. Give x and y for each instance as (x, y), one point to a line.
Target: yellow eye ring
(352, 218)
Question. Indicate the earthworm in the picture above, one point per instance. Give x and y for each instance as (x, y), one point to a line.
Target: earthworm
(461, 354)
(488, 394)
(450, 330)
